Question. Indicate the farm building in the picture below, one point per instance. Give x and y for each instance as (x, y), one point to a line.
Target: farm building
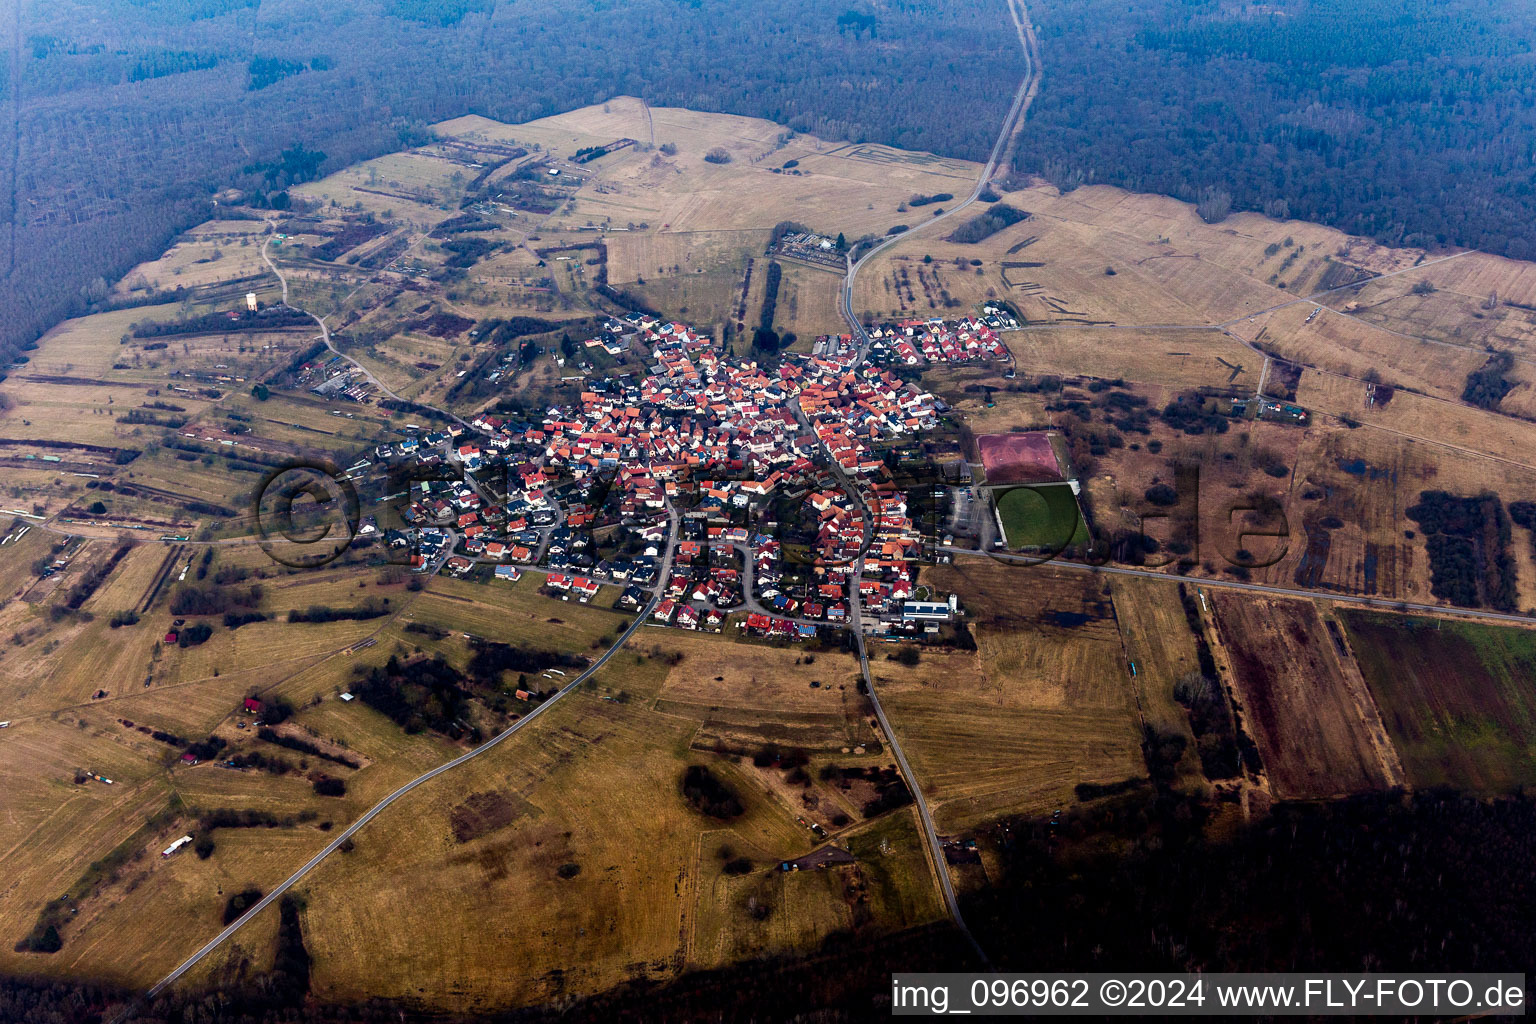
(925, 611)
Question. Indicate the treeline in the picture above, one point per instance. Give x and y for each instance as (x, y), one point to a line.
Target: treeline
(492, 659)
(211, 599)
(844, 978)
(1487, 385)
(92, 581)
(1401, 120)
(1222, 747)
(766, 338)
(372, 608)
(165, 144)
(708, 794)
(269, 735)
(269, 319)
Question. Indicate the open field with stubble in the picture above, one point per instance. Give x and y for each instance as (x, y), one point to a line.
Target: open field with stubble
(1176, 358)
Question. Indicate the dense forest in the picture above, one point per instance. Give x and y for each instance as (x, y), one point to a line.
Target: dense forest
(1406, 120)
(123, 118)
(1388, 882)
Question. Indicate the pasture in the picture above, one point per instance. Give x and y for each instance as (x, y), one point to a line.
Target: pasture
(1455, 696)
(593, 785)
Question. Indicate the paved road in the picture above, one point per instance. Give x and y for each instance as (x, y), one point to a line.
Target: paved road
(1025, 561)
(325, 334)
(1021, 99)
(378, 808)
(664, 572)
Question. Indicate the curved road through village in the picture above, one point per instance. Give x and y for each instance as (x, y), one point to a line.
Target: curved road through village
(1021, 100)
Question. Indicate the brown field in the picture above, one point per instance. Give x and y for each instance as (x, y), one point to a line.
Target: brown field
(595, 785)
(747, 697)
(1455, 697)
(1352, 347)
(808, 304)
(853, 189)
(206, 256)
(59, 730)
(1169, 358)
(516, 613)
(1478, 300)
(409, 188)
(1451, 425)
(1170, 268)
(1303, 700)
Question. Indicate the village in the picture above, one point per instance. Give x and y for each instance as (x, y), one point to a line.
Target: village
(753, 496)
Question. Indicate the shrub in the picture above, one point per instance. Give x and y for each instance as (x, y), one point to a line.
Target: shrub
(240, 902)
(717, 156)
(191, 636)
(709, 795)
(328, 786)
(994, 219)
(42, 940)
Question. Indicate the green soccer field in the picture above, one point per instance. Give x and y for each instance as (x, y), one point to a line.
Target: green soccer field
(1042, 516)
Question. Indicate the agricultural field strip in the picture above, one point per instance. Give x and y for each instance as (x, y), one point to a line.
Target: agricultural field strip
(312, 659)
(325, 330)
(1314, 300)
